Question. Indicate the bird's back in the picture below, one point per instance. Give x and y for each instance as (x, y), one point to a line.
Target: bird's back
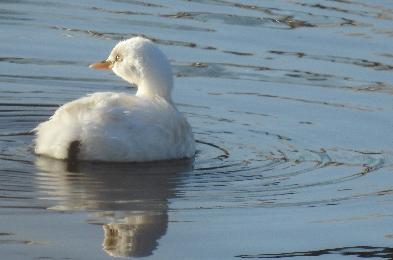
(116, 127)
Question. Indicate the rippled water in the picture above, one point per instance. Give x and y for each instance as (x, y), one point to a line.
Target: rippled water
(291, 104)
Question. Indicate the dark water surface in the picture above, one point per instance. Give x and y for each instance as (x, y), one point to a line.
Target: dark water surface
(290, 101)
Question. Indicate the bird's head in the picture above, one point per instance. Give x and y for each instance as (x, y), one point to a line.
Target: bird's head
(138, 61)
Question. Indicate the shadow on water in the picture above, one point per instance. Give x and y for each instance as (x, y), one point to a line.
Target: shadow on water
(130, 201)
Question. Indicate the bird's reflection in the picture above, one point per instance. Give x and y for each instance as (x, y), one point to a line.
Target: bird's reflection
(132, 199)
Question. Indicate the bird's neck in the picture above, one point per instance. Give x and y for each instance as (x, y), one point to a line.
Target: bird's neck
(150, 89)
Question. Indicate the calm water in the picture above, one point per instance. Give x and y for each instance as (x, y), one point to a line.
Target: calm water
(290, 101)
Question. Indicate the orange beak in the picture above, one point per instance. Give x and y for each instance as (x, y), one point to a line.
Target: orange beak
(102, 65)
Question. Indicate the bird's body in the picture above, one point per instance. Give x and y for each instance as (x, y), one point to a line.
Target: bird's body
(122, 127)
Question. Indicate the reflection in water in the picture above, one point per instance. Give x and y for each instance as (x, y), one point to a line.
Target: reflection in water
(132, 199)
(135, 236)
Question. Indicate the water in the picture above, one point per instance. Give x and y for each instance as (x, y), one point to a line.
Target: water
(291, 104)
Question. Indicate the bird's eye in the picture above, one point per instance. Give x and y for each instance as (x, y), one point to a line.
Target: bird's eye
(117, 58)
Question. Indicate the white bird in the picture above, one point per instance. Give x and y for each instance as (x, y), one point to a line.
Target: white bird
(120, 127)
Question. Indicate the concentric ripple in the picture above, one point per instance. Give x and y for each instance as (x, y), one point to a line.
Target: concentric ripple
(224, 174)
(242, 176)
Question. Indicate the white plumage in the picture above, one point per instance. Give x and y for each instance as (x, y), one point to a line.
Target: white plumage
(121, 127)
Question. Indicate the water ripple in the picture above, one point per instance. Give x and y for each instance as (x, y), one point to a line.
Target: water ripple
(357, 251)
